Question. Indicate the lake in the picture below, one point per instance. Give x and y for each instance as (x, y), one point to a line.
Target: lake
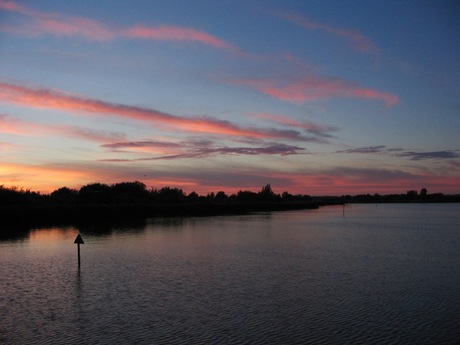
(369, 274)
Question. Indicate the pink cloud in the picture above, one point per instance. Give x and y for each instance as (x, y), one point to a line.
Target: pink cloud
(315, 87)
(58, 100)
(309, 126)
(171, 33)
(57, 24)
(62, 25)
(26, 128)
(10, 126)
(156, 147)
(87, 134)
(356, 38)
(71, 26)
(12, 6)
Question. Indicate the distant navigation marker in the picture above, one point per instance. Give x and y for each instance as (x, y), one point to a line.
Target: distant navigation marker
(79, 241)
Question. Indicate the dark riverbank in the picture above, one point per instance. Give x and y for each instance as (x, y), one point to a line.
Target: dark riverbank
(130, 201)
(98, 206)
(17, 220)
(71, 214)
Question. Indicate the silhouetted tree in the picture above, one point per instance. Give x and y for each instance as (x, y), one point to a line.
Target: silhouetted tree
(11, 196)
(95, 193)
(411, 194)
(170, 195)
(246, 196)
(267, 194)
(423, 192)
(130, 192)
(287, 197)
(19, 196)
(193, 197)
(64, 195)
(221, 196)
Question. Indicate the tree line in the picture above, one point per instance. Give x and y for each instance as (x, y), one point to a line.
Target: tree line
(98, 206)
(101, 206)
(136, 193)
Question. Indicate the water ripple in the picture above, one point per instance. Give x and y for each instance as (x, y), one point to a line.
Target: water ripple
(292, 278)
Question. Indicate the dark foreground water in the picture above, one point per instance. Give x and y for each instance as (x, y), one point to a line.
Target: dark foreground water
(386, 274)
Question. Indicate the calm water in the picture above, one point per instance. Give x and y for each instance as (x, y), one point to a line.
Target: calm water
(386, 274)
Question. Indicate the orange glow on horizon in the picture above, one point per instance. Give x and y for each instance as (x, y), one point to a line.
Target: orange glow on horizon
(45, 180)
(39, 178)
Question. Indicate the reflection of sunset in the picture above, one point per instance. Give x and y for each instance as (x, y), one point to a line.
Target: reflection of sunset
(53, 234)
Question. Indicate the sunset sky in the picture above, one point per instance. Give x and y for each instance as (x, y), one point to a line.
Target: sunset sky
(312, 97)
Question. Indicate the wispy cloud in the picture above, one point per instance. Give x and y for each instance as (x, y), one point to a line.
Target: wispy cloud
(366, 149)
(58, 24)
(357, 39)
(373, 175)
(14, 126)
(6, 144)
(455, 164)
(172, 33)
(416, 156)
(314, 87)
(142, 144)
(15, 7)
(399, 152)
(310, 127)
(278, 149)
(143, 147)
(58, 100)
(90, 134)
(185, 150)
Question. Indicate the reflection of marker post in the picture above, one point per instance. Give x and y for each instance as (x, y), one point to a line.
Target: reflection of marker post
(79, 241)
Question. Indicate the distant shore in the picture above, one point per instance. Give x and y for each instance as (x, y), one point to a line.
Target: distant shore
(17, 220)
(70, 214)
(131, 202)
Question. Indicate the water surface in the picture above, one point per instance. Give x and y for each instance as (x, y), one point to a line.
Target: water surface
(386, 274)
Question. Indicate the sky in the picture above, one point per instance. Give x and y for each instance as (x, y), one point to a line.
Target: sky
(311, 97)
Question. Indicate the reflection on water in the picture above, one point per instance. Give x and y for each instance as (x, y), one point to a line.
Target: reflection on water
(386, 274)
(103, 227)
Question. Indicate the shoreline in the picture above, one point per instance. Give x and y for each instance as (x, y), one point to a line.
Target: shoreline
(17, 220)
